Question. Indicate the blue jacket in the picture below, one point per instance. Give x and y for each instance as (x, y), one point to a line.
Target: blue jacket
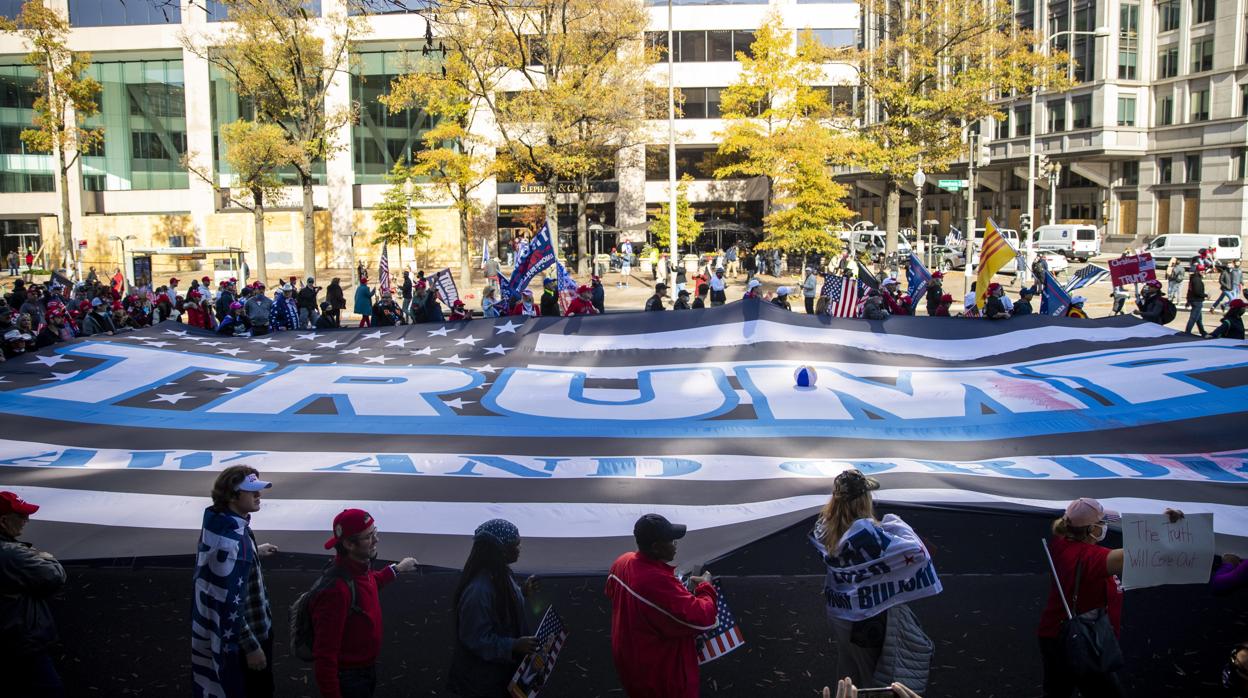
(363, 300)
(482, 664)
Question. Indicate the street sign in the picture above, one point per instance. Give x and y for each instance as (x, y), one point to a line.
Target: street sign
(953, 184)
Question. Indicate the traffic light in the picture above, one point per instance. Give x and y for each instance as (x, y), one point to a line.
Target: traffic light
(985, 155)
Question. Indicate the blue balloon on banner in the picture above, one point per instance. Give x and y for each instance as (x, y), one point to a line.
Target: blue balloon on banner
(805, 377)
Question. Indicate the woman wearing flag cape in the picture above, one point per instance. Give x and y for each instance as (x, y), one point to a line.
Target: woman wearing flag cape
(874, 568)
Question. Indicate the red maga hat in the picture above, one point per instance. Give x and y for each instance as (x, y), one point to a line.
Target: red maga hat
(10, 503)
(349, 523)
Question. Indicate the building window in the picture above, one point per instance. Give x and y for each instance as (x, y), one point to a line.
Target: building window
(1126, 111)
(697, 161)
(387, 7)
(1243, 100)
(227, 107)
(1022, 121)
(1239, 164)
(1057, 116)
(379, 138)
(1131, 172)
(714, 2)
(21, 169)
(108, 13)
(143, 115)
(1165, 170)
(218, 12)
(1200, 105)
(1202, 54)
(1165, 111)
(1167, 62)
(1168, 15)
(1191, 168)
(1003, 126)
(1204, 10)
(1128, 41)
(697, 46)
(11, 8)
(836, 38)
(1081, 111)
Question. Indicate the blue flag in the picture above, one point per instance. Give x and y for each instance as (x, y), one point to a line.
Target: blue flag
(917, 278)
(224, 561)
(539, 255)
(1054, 300)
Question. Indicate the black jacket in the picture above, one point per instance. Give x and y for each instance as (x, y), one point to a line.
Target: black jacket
(28, 578)
(306, 298)
(1151, 307)
(337, 300)
(550, 304)
(1195, 289)
(934, 292)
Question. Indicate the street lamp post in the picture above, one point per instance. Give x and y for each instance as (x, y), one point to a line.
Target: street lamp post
(919, 179)
(671, 155)
(1028, 223)
(126, 272)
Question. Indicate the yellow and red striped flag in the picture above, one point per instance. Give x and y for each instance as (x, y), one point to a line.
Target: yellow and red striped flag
(995, 254)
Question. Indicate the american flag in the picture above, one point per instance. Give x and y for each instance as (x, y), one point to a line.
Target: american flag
(485, 253)
(565, 285)
(726, 636)
(384, 270)
(842, 293)
(535, 669)
(1086, 277)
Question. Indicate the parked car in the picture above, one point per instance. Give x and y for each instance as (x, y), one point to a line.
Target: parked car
(946, 258)
(1075, 241)
(872, 241)
(1188, 245)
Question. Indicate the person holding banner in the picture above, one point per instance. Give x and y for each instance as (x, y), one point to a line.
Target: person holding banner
(1076, 554)
(1196, 301)
(493, 630)
(655, 620)
(875, 568)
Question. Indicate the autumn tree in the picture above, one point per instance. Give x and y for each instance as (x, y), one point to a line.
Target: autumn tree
(781, 127)
(688, 228)
(282, 61)
(562, 79)
(66, 98)
(396, 205)
(929, 69)
(256, 153)
(453, 157)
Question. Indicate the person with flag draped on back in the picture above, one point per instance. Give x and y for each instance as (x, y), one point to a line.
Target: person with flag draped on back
(995, 253)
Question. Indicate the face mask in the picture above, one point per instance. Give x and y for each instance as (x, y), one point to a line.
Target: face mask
(1104, 530)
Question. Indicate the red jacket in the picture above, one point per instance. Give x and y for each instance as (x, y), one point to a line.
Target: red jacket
(344, 639)
(580, 306)
(654, 621)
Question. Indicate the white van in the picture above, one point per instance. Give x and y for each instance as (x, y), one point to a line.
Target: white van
(872, 241)
(1186, 246)
(1072, 240)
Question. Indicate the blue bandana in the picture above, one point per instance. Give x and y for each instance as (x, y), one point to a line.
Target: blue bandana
(500, 531)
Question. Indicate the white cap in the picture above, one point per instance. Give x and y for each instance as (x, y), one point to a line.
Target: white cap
(782, 291)
(889, 281)
(252, 483)
(1078, 300)
(754, 283)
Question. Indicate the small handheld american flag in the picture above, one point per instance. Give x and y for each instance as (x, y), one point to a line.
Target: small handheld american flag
(535, 669)
(384, 270)
(726, 636)
(842, 293)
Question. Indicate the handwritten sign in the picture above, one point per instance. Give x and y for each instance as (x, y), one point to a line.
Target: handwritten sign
(1135, 269)
(1157, 552)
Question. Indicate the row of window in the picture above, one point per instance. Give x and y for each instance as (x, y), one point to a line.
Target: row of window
(1169, 13)
(1198, 102)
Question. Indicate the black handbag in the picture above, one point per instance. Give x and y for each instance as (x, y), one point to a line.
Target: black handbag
(1088, 639)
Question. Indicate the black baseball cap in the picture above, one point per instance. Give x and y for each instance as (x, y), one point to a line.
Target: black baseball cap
(653, 528)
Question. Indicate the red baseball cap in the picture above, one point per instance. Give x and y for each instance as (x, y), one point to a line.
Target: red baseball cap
(12, 504)
(349, 523)
(174, 280)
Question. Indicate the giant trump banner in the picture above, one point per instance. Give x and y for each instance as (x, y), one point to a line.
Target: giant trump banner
(572, 428)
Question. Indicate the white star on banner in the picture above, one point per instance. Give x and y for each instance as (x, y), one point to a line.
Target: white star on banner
(329, 345)
(61, 376)
(401, 342)
(427, 351)
(470, 341)
(211, 344)
(509, 327)
(310, 336)
(440, 332)
(458, 403)
(266, 341)
(284, 350)
(457, 360)
(217, 377)
(497, 349)
(171, 398)
(374, 335)
(232, 351)
(52, 360)
(353, 350)
(176, 333)
(376, 359)
(302, 357)
(4, 380)
(488, 368)
(158, 344)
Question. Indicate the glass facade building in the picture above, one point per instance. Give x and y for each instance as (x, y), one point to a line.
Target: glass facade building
(379, 138)
(228, 107)
(21, 169)
(111, 13)
(143, 114)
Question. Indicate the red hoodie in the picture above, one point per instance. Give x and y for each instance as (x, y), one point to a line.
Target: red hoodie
(654, 621)
(344, 639)
(580, 306)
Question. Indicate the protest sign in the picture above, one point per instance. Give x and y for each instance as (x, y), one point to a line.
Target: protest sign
(1157, 552)
(1133, 269)
(535, 669)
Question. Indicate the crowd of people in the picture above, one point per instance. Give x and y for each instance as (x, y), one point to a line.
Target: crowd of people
(656, 616)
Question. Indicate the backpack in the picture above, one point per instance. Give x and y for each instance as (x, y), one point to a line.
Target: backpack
(301, 629)
(1168, 311)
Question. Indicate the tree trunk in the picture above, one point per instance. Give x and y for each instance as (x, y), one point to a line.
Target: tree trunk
(70, 254)
(465, 258)
(552, 211)
(309, 227)
(257, 212)
(892, 215)
(583, 251)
